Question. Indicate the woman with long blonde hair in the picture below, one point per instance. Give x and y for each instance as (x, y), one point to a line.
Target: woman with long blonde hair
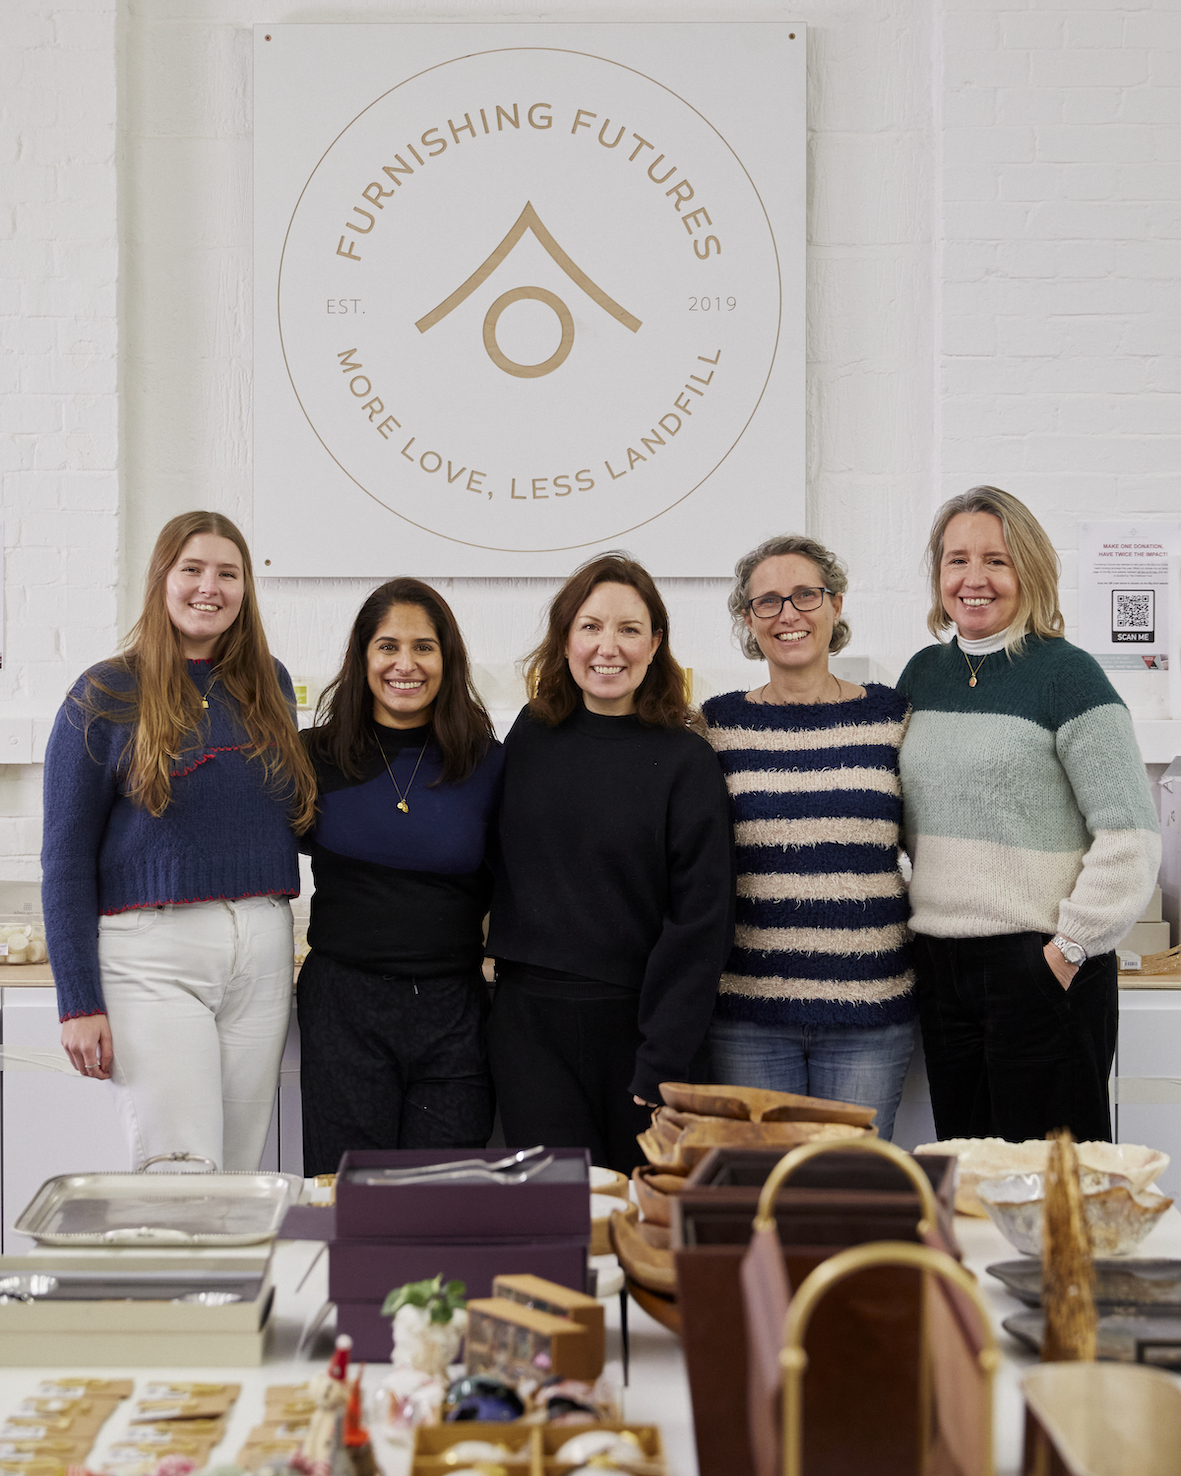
(175, 785)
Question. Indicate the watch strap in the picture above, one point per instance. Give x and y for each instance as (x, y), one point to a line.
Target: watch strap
(1071, 951)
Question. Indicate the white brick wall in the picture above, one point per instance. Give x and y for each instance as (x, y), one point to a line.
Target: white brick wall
(59, 407)
(993, 296)
(1060, 298)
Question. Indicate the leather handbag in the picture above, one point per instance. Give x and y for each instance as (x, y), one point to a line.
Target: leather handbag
(835, 1200)
(863, 1389)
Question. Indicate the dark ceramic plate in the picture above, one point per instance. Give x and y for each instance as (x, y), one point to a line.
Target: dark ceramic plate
(1155, 1340)
(1121, 1286)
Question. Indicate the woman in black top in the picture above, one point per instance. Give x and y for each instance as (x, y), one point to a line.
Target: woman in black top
(613, 900)
(391, 999)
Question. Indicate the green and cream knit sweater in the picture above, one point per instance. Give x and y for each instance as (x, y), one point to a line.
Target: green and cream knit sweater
(1026, 803)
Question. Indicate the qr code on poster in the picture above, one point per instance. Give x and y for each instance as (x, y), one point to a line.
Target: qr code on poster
(1133, 614)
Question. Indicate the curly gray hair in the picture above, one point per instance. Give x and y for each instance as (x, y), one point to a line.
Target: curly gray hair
(832, 574)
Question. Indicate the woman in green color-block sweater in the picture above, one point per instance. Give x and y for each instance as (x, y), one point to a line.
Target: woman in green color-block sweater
(1032, 833)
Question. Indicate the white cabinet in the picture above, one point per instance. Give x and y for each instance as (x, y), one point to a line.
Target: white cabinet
(50, 1123)
(1148, 1076)
(57, 1123)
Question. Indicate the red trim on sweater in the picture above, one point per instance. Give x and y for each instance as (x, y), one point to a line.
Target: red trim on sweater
(204, 759)
(187, 901)
(80, 1015)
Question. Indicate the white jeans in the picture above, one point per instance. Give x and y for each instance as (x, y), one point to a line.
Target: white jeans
(198, 997)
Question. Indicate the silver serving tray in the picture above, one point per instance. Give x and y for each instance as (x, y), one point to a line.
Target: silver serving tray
(219, 1209)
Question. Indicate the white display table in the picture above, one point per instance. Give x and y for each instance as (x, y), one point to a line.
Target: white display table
(658, 1393)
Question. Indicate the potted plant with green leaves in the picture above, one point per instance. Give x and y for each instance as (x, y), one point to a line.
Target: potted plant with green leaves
(429, 1323)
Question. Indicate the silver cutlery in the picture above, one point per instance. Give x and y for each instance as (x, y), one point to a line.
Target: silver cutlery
(478, 1174)
(424, 1170)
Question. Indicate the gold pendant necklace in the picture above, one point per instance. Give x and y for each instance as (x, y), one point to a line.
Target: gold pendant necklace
(976, 668)
(208, 689)
(402, 805)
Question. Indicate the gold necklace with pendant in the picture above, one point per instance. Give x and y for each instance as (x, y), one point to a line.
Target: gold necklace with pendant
(402, 805)
(976, 668)
(209, 688)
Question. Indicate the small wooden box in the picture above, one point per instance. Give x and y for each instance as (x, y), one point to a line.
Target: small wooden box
(509, 1339)
(559, 1301)
(432, 1442)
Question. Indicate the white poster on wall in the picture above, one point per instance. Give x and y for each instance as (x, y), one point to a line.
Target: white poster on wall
(525, 291)
(1124, 591)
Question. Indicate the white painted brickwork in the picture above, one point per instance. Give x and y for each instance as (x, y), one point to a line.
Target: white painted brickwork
(59, 408)
(1060, 250)
(993, 248)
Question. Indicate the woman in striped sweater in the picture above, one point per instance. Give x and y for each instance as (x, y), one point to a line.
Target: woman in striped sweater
(817, 995)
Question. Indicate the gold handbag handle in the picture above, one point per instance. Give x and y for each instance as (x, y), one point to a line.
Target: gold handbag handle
(793, 1360)
(765, 1217)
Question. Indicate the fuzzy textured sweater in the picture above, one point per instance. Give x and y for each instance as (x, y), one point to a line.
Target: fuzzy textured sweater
(821, 913)
(225, 833)
(1027, 804)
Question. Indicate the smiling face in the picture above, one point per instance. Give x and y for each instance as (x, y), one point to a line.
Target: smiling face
(203, 592)
(405, 663)
(977, 579)
(794, 640)
(610, 647)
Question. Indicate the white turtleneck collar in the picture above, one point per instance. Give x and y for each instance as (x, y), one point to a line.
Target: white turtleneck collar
(985, 646)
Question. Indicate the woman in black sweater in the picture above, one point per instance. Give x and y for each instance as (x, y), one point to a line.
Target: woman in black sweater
(612, 907)
(391, 998)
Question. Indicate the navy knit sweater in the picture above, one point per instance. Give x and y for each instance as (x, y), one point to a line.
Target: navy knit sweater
(225, 833)
(821, 914)
(402, 892)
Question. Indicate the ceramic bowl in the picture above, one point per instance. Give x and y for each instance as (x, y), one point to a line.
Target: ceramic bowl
(1117, 1217)
(994, 1158)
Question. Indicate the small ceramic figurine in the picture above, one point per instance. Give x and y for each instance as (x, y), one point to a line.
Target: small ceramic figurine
(331, 1394)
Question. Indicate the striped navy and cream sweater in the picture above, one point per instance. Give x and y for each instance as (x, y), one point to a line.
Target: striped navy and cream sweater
(821, 913)
(1027, 803)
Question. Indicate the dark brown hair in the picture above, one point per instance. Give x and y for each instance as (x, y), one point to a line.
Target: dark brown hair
(660, 698)
(163, 703)
(344, 733)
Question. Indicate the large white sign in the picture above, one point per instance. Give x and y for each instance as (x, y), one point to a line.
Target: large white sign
(525, 291)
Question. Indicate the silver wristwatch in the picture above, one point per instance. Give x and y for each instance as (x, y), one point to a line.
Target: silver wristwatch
(1073, 953)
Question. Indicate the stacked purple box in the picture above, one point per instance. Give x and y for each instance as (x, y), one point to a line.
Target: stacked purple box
(388, 1234)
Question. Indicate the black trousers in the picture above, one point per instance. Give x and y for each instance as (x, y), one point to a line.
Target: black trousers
(563, 1055)
(1010, 1053)
(390, 1062)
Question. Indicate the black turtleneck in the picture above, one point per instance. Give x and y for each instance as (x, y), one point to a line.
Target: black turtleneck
(616, 863)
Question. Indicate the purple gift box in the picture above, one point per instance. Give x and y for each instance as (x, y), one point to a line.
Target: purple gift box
(361, 1273)
(388, 1234)
(555, 1202)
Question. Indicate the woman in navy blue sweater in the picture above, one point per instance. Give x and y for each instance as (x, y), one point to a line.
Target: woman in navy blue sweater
(391, 999)
(174, 784)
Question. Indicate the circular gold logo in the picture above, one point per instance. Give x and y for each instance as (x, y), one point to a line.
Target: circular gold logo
(529, 299)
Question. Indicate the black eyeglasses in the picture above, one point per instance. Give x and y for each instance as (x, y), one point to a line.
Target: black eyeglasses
(769, 605)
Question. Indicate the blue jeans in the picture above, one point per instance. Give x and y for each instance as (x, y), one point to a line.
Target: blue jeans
(865, 1065)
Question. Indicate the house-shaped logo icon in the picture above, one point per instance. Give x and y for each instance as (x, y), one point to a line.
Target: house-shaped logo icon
(528, 220)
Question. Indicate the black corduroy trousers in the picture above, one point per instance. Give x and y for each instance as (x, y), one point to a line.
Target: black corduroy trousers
(1010, 1053)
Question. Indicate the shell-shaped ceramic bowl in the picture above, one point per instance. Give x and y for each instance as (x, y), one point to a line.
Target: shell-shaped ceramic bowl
(1117, 1216)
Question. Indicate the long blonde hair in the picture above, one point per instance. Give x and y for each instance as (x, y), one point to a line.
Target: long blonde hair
(1034, 562)
(161, 702)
